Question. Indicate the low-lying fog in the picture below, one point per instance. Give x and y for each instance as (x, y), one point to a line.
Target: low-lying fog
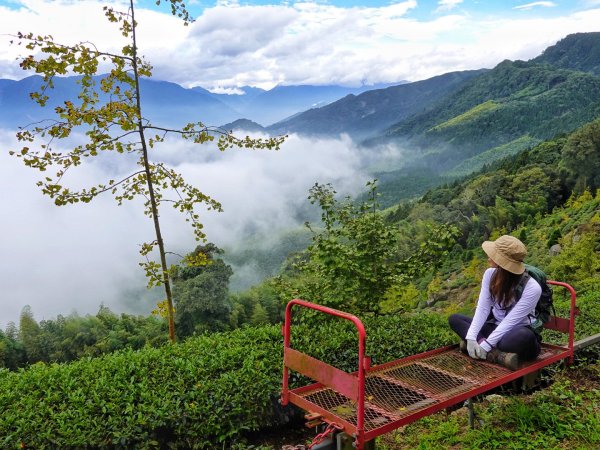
(73, 258)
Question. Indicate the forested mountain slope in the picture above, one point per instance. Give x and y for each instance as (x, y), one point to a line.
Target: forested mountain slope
(579, 51)
(515, 100)
(370, 112)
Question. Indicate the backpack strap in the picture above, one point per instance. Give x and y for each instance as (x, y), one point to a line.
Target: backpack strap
(520, 287)
(518, 291)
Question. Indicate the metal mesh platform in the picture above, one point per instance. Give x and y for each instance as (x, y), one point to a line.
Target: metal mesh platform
(401, 390)
(375, 400)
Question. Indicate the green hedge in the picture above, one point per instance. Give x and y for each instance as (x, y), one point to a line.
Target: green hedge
(196, 394)
(201, 393)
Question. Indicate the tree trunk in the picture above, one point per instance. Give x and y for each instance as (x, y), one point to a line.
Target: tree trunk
(153, 205)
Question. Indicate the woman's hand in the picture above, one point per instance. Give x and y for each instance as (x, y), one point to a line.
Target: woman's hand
(481, 352)
(475, 350)
(472, 348)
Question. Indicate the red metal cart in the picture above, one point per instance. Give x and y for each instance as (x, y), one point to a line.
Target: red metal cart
(376, 400)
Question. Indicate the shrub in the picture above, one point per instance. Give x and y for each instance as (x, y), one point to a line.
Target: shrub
(204, 391)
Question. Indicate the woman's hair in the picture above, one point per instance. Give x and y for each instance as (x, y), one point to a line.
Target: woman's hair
(502, 286)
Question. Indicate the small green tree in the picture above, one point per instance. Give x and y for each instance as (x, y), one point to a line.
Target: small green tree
(202, 293)
(354, 252)
(581, 156)
(29, 335)
(354, 257)
(259, 315)
(12, 354)
(109, 111)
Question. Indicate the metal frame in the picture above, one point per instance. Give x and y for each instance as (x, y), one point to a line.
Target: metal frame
(352, 385)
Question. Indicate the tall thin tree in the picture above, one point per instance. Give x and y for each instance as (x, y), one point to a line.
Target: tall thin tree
(109, 111)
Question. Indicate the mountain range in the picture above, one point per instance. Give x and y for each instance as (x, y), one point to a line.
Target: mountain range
(173, 105)
(375, 110)
(269, 106)
(452, 124)
(455, 123)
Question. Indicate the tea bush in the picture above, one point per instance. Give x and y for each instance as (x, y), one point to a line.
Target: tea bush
(204, 392)
(196, 394)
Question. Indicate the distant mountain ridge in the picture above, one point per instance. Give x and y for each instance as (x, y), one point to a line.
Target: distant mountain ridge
(281, 102)
(164, 102)
(172, 104)
(373, 111)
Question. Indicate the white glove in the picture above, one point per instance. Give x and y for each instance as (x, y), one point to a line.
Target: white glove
(472, 347)
(480, 352)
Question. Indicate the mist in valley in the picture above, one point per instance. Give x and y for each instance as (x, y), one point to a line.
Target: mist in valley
(72, 259)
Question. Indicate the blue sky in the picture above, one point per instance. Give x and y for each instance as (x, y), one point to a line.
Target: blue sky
(264, 43)
(426, 8)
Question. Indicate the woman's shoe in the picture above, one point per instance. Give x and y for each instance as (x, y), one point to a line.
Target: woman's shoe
(508, 360)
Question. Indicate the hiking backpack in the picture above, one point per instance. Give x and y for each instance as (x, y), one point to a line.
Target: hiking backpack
(544, 308)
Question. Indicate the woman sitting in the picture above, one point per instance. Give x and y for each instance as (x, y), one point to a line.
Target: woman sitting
(500, 331)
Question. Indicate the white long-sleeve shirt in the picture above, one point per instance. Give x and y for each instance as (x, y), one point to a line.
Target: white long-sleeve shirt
(522, 313)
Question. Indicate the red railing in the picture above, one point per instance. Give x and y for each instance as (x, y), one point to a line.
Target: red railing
(353, 386)
(564, 325)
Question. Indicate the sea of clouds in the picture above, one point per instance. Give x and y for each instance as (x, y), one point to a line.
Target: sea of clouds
(61, 260)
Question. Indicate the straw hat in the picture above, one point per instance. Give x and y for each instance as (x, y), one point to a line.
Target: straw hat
(508, 252)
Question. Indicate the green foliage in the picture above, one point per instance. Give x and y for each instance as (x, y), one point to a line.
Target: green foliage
(497, 153)
(471, 114)
(353, 261)
(579, 258)
(12, 354)
(201, 293)
(74, 337)
(400, 298)
(259, 315)
(29, 335)
(202, 393)
(262, 297)
(581, 156)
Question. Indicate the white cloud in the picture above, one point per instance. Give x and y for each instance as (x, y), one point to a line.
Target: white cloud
(57, 259)
(233, 44)
(532, 5)
(73, 21)
(447, 5)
